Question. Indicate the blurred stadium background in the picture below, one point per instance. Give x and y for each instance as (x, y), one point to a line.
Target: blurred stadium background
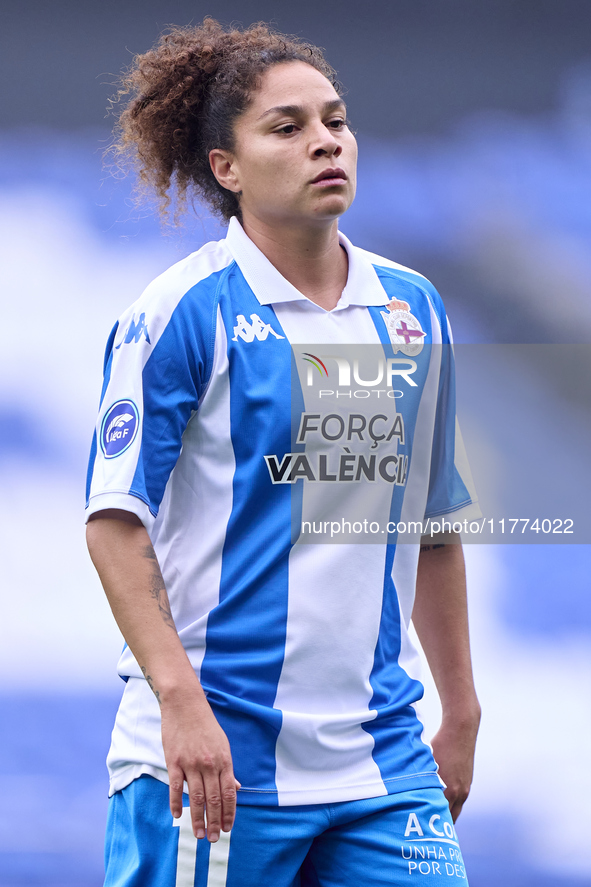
(474, 123)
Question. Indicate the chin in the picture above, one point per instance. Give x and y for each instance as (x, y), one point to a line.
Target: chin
(332, 209)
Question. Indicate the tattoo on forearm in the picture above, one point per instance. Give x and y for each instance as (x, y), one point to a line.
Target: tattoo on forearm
(158, 588)
(429, 547)
(151, 684)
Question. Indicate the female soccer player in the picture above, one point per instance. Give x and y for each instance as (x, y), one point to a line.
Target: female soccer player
(267, 678)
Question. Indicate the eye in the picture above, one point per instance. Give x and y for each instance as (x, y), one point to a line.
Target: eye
(338, 123)
(287, 129)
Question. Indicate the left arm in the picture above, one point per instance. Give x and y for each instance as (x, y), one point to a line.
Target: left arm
(440, 616)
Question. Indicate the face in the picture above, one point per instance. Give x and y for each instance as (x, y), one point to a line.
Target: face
(295, 158)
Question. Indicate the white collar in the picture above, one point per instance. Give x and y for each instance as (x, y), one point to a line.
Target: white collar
(270, 287)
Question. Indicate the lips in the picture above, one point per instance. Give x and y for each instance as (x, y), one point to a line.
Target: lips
(337, 174)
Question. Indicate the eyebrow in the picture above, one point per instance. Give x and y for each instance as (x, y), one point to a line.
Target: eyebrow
(299, 110)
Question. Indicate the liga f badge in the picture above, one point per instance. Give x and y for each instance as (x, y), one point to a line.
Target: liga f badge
(404, 330)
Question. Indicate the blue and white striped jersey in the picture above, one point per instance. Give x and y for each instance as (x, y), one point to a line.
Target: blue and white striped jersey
(302, 649)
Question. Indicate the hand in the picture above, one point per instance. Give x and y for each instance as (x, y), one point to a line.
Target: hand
(453, 748)
(197, 751)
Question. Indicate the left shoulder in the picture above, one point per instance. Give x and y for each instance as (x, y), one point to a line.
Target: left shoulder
(393, 274)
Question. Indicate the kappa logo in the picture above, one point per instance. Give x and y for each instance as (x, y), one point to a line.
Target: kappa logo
(404, 330)
(135, 331)
(254, 330)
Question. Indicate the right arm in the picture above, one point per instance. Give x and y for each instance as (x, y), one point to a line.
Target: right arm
(195, 747)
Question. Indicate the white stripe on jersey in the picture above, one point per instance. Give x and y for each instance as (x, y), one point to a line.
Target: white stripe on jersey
(325, 699)
(201, 488)
(339, 684)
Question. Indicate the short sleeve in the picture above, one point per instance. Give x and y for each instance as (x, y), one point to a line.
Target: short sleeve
(157, 364)
(451, 487)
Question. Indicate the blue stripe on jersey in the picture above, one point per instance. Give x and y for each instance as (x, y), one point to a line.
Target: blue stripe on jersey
(90, 470)
(254, 579)
(445, 485)
(409, 404)
(405, 287)
(298, 408)
(396, 730)
(107, 363)
(421, 286)
(174, 378)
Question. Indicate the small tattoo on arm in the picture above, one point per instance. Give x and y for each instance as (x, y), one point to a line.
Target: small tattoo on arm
(150, 683)
(158, 588)
(429, 547)
(149, 553)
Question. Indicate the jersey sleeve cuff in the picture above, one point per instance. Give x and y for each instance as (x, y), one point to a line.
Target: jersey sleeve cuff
(124, 502)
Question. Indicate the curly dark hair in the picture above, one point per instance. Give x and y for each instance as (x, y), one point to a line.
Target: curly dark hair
(186, 93)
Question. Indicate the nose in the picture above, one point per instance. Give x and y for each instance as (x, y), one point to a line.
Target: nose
(324, 143)
(333, 151)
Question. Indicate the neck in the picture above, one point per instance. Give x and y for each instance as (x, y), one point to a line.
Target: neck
(311, 258)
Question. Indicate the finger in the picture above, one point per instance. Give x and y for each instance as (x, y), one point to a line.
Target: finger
(213, 805)
(455, 810)
(228, 785)
(456, 803)
(197, 802)
(176, 778)
(452, 791)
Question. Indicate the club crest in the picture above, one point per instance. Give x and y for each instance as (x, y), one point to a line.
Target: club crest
(404, 330)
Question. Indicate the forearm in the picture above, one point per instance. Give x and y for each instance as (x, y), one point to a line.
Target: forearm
(123, 555)
(196, 750)
(440, 616)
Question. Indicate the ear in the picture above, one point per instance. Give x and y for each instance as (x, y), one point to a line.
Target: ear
(222, 166)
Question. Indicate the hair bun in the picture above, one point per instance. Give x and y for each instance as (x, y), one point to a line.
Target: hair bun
(185, 96)
(209, 60)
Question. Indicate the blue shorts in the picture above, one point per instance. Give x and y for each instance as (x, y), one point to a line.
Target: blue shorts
(405, 838)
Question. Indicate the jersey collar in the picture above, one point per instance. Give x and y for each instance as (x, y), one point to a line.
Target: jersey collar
(270, 287)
